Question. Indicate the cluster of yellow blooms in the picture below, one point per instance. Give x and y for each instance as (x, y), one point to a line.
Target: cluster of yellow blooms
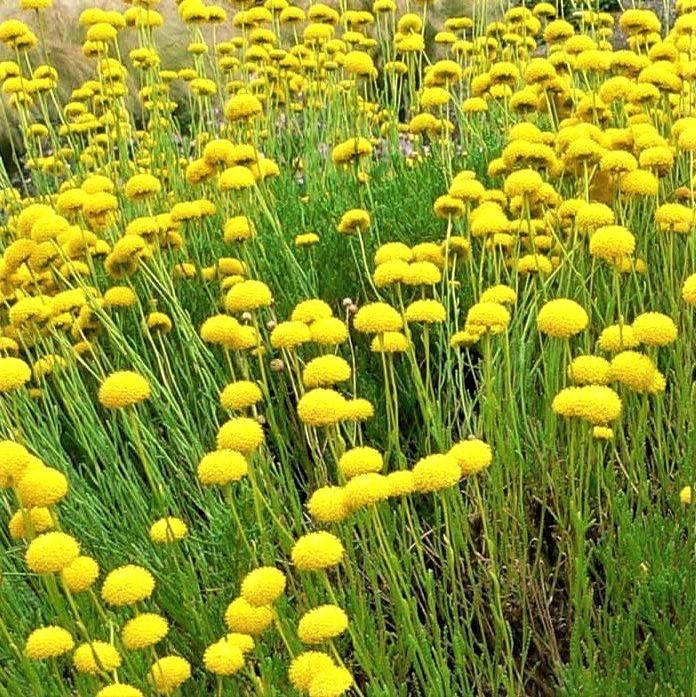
(594, 137)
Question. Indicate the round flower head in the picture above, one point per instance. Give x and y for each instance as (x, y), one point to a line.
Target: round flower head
(562, 318)
(127, 585)
(602, 433)
(487, 317)
(689, 290)
(325, 371)
(96, 656)
(248, 295)
(223, 658)
(240, 395)
(241, 433)
(168, 673)
(119, 296)
(633, 369)
(597, 404)
(436, 472)
(685, 496)
(42, 486)
(51, 552)
(328, 504)
(359, 409)
(472, 455)
(305, 667)
(360, 460)
(365, 490)
(80, 574)
(242, 617)
(119, 690)
(168, 529)
(309, 311)
(14, 461)
(329, 331)
(144, 630)
(48, 642)
(612, 242)
(322, 624)
(389, 342)
(14, 373)
(123, 388)
(290, 335)
(422, 273)
(426, 311)
(40, 520)
(222, 467)
(242, 107)
(400, 483)
(654, 329)
(331, 682)
(376, 318)
(589, 370)
(617, 337)
(263, 586)
(244, 642)
(354, 221)
(317, 550)
(142, 186)
(321, 407)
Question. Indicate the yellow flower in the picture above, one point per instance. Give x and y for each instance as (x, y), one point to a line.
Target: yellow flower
(223, 658)
(426, 311)
(80, 574)
(376, 318)
(360, 460)
(51, 552)
(222, 467)
(248, 295)
(331, 682)
(306, 666)
(617, 337)
(322, 624)
(242, 433)
(366, 489)
(14, 373)
(119, 690)
(325, 371)
(328, 504)
(354, 221)
(321, 407)
(597, 404)
(48, 642)
(436, 472)
(263, 586)
(654, 329)
(487, 317)
(589, 370)
(240, 395)
(95, 657)
(123, 389)
(42, 486)
(242, 617)
(40, 520)
(562, 318)
(144, 630)
(317, 550)
(472, 455)
(242, 107)
(168, 529)
(142, 186)
(127, 585)
(168, 673)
